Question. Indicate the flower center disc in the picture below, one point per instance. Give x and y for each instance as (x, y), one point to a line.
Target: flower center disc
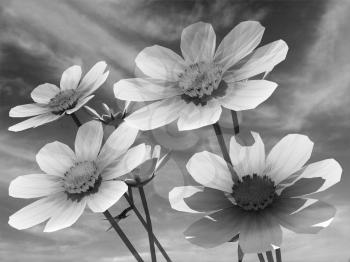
(81, 178)
(200, 79)
(63, 101)
(254, 192)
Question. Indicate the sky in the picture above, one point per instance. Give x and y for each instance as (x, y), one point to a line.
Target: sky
(39, 39)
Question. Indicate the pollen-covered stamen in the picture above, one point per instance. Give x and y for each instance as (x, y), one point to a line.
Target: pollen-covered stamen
(81, 177)
(254, 192)
(64, 100)
(200, 79)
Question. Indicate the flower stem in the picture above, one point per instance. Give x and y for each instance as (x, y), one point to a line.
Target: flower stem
(235, 122)
(143, 222)
(240, 254)
(149, 224)
(76, 119)
(269, 256)
(122, 235)
(261, 257)
(224, 150)
(278, 255)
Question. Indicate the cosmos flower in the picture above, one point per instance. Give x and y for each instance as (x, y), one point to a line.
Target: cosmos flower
(192, 89)
(74, 180)
(145, 172)
(52, 102)
(268, 193)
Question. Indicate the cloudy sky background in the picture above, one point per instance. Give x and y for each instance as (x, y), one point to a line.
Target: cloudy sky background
(39, 39)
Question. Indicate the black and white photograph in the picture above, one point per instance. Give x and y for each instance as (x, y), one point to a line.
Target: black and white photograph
(175, 130)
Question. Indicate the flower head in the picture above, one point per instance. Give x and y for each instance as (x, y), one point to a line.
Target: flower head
(192, 88)
(52, 102)
(145, 172)
(72, 180)
(264, 195)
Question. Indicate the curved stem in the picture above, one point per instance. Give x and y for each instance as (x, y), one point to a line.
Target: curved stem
(76, 119)
(269, 256)
(122, 235)
(261, 257)
(235, 122)
(278, 255)
(224, 150)
(143, 222)
(149, 224)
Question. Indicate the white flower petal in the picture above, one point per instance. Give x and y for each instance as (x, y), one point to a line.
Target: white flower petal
(210, 170)
(177, 195)
(117, 144)
(34, 122)
(247, 95)
(37, 212)
(259, 233)
(238, 43)
(216, 228)
(134, 157)
(81, 102)
(156, 114)
(35, 185)
(70, 78)
(108, 194)
(55, 158)
(99, 82)
(263, 59)
(248, 160)
(198, 43)
(88, 141)
(43, 93)
(328, 169)
(66, 215)
(143, 89)
(160, 63)
(93, 79)
(288, 156)
(28, 110)
(193, 117)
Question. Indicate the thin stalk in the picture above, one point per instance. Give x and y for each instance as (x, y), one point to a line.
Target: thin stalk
(143, 222)
(240, 254)
(76, 119)
(235, 122)
(278, 255)
(149, 224)
(261, 257)
(224, 150)
(122, 235)
(269, 256)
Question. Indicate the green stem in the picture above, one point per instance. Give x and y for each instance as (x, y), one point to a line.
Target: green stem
(235, 122)
(278, 255)
(261, 257)
(269, 256)
(149, 224)
(76, 119)
(143, 222)
(122, 235)
(224, 150)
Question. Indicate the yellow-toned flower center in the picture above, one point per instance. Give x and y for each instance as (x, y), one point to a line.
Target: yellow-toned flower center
(81, 177)
(254, 192)
(200, 79)
(64, 100)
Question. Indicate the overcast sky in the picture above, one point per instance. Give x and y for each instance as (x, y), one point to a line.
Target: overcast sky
(39, 39)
